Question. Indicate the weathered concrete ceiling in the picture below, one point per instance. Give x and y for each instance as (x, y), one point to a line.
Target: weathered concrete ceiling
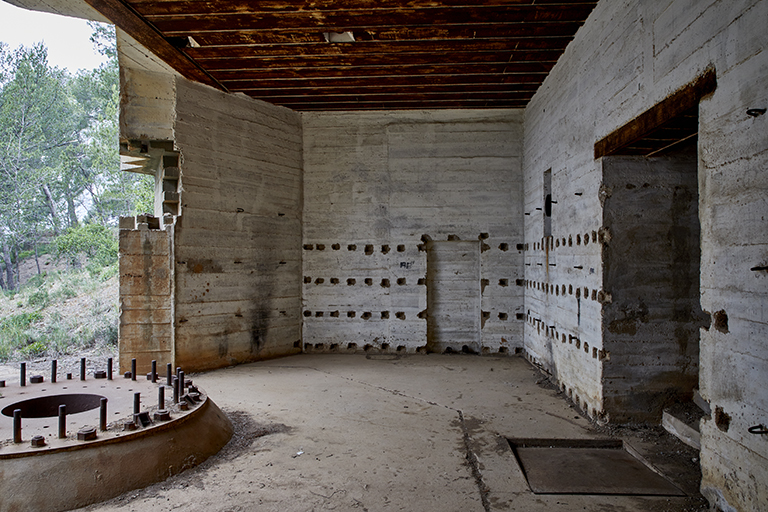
(361, 54)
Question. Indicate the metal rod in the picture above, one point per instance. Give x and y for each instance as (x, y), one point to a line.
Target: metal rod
(62, 421)
(109, 369)
(103, 414)
(175, 390)
(136, 403)
(82, 368)
(54, 364)
(17, 425)
(133, 369)
(169, 373)
(181, 383)
(154, 371)
(23, 374)
(161, 397)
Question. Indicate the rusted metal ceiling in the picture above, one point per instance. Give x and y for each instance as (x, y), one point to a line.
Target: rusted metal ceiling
(406, 54)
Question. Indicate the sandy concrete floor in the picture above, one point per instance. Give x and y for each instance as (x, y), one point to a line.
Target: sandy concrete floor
(415, 433)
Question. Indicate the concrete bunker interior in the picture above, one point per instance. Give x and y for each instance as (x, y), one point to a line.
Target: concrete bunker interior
(633, 277)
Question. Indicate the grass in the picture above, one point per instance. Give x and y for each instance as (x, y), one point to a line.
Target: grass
(60, 313)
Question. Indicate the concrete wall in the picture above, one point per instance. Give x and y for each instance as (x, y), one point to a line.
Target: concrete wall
(377, 186)
(629, 56)
(238, 238)
(145, 331)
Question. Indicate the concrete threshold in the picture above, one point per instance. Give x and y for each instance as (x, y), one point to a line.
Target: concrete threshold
(416, 433)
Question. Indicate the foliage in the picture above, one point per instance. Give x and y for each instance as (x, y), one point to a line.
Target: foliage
(80, 313)
(59, 161)
(95, 241)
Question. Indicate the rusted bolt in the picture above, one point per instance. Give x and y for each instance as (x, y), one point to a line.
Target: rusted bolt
(23, 374)
(62, 421)
(142, 419)
(38, 441)
(36, 379)
(2, 383)
(161, 397)
(69, 376)
(129, 425)
(127, 375)
(175, 389)
(169, 374)
(154, 371)
(183, 406)
(17, 425)
(82, 368)
(133, 369)
(54, 363)
(86, 434)
(103, 414)
(181, 382)
(109, 368)
(136, 403)
(162, 415)
(100, 374)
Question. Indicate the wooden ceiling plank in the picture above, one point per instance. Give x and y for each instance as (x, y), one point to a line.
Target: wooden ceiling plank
(526, 90)
(186, 7)
(404, 105)
(382, 81)
(511, 61)
(367, 49)
(125, 18)
(535, 69)
(521, 35)
(390, 98)
(346, 20)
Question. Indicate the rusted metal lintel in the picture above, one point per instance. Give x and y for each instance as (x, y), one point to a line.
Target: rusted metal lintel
(685, 98)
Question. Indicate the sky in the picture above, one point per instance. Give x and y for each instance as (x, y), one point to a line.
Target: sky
(67, 39)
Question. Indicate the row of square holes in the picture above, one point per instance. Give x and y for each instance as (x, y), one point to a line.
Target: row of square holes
(558, 290)
(384, 248)
(551, 332)
(401, 281)
(553, 243)
(386, 346)
(367, 315)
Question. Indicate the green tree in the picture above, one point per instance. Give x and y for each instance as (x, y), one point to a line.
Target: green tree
(36, 128)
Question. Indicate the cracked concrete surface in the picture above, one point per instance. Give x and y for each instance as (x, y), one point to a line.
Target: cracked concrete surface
(416, 433)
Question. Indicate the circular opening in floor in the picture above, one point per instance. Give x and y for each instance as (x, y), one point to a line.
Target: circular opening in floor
(48, 406)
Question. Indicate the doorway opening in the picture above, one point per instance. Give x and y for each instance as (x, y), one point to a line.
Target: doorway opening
(651, 265)
(453, 296)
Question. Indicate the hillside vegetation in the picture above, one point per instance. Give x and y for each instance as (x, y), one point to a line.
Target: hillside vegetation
(61, 194)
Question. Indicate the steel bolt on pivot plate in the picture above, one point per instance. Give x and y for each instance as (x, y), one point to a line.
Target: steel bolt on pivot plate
(129, 425)
(86, 434)
(38, 441)
(183, 406)
(162, 415)
(36, 379)
(100, 374)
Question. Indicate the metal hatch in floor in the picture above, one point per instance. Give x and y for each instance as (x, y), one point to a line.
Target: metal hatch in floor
(587, 466)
